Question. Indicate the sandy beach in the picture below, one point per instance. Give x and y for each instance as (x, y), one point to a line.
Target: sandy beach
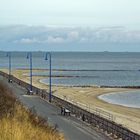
(88, 98)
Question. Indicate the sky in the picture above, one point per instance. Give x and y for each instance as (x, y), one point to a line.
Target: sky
(70, 25)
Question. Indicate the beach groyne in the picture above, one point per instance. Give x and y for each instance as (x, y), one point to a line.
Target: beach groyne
(95, 120)
(132, 87)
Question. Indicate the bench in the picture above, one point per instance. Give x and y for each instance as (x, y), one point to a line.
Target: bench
(10, 81)
(65, 111)
(29, 92)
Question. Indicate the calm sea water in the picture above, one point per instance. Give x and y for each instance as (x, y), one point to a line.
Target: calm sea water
(103, 68)
(129, 98)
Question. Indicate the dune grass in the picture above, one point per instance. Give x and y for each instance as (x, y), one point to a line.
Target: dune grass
(19, 123)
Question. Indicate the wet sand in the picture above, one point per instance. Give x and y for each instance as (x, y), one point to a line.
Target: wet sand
(87, 97)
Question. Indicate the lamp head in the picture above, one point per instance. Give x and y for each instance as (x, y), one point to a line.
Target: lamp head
(7, 54)
(28, 55)
(46, 56)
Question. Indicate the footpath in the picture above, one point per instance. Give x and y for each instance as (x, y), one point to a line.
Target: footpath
(72, 128)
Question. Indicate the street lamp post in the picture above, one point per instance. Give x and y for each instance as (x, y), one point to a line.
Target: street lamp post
(29, 56)
(50, 75)
(9, 57)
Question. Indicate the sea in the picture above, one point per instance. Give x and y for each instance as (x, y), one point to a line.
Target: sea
(126, 98)
(83, 68)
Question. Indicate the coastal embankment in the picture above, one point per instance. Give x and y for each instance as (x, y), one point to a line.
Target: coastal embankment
(87, 97)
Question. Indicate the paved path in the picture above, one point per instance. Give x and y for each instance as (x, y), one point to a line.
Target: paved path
(72, 128)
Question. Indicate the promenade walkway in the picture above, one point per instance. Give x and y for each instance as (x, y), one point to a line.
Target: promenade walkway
(72, 128)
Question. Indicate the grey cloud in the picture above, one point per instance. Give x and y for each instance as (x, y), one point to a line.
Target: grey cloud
(43, 35)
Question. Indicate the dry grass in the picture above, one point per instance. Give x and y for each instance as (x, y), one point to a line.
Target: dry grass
(18, 123)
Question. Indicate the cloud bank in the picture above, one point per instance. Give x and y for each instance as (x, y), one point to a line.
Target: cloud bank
(38, 35)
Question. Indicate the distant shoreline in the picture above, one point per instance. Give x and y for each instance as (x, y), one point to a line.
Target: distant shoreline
(38, 51)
